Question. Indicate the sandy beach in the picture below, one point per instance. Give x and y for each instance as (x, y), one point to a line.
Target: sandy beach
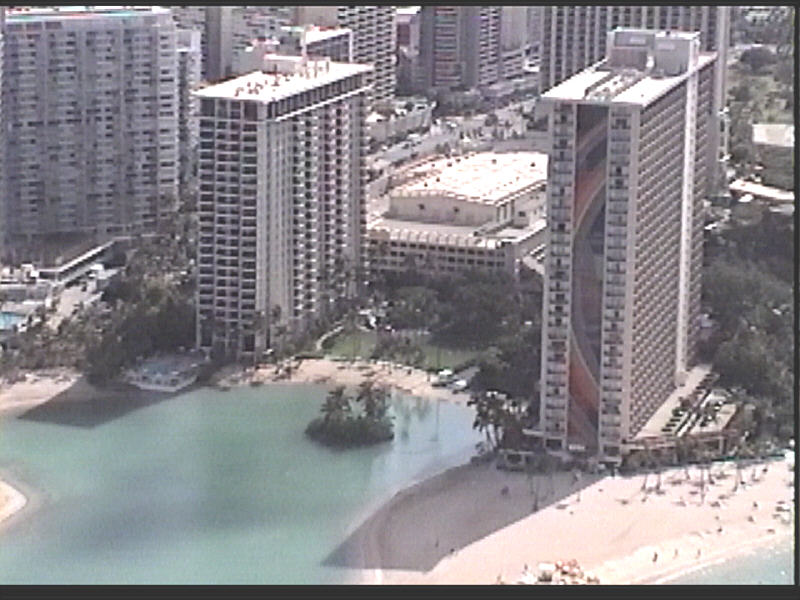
(407, 380)
(614, 529)
(38, 387)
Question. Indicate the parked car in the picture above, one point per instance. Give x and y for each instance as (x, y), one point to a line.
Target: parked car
(459, 385)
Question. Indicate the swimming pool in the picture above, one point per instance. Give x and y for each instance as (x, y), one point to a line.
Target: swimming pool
(8, 320)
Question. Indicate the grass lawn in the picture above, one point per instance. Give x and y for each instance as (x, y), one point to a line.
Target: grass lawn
(447, 358)
(358, 343)
(362, 343)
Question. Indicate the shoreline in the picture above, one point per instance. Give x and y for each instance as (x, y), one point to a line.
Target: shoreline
(39, 387)
(406, 380)
(12, 502)
(763, 542)
(614, 541)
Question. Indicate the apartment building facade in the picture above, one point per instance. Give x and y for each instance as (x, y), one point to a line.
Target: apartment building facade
(514, 41)
(189, 79)
(629, 145)
(90, 100)
(2, 135)
(374, 39)
(459, 46)
(281, 205)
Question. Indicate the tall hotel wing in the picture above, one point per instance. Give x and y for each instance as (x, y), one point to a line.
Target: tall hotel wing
(628, 166)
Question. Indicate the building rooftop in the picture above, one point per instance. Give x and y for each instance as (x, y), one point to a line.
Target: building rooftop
(640, 66)
(408, 10)
(761, 191)
(21, 15)
(292, 75)
(315, 33)
(773, 134)
(485, 176)
(622, 87)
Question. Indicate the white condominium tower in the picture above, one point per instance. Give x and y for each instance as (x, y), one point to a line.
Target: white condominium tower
(281, 206)
(91, 109)
(628, 170)
(374, 39)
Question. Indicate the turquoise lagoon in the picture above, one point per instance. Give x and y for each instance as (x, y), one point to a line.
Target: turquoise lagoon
(208, 487)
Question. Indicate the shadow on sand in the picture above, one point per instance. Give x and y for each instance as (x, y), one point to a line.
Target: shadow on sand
(84, 405)
(423, 524)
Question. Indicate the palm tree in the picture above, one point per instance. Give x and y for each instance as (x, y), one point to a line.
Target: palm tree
(260, 328)
(657, 464)
(648, 460)
(488, 415)
(374, 399)
(685, 450)
(336, 405)
(277, 330)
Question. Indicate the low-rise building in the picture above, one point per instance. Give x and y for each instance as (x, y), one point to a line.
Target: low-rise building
(335, 43)
(407, 115)
(774, 144)
(483, 211)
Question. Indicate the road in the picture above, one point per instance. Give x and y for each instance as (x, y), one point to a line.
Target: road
(469, 126)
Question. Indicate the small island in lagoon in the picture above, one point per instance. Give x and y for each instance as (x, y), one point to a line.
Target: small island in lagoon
(348, 421)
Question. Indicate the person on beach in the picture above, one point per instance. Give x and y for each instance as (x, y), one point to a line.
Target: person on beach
(655, 556)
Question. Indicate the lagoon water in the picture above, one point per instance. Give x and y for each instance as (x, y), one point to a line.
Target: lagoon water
(208, 487)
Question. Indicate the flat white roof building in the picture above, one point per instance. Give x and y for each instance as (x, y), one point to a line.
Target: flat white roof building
(773, 134)
(482, 211)
(486, 177)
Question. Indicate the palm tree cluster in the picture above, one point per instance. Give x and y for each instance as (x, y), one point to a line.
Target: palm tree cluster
(152, 308)
(359, 420)
(500, 418)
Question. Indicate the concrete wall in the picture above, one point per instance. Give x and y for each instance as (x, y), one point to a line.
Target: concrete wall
(439, 208)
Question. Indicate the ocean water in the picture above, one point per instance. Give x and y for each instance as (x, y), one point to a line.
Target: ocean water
(208, 487)
(768, 566)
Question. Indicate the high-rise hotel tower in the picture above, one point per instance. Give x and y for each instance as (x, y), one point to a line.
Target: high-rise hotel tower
(627, 175)
(281, 206)
(574, 37)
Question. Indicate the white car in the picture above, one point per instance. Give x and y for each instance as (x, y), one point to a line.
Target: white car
(459, 385)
